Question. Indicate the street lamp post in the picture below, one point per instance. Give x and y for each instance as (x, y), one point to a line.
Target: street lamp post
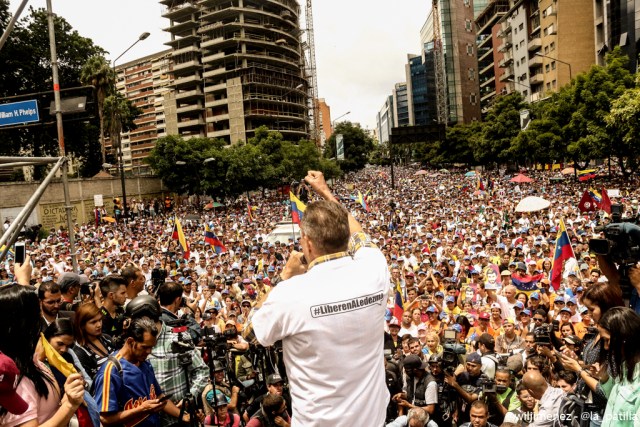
(141, 37)
(558, 60)
(339, 117)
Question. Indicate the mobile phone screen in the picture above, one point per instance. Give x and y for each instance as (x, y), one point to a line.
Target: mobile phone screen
(20, 253)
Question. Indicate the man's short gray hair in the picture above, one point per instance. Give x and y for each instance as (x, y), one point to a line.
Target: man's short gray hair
(419, 415)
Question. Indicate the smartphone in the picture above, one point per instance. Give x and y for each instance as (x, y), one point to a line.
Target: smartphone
(164, 397)
(20, 253)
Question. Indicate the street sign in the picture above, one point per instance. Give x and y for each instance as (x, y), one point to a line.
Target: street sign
(15, 113)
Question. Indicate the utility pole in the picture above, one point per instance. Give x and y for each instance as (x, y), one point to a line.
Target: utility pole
(58, 107)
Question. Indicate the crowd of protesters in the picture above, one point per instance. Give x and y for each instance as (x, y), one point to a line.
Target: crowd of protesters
(475, 332)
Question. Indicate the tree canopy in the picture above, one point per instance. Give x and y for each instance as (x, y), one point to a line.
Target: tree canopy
(357, 146)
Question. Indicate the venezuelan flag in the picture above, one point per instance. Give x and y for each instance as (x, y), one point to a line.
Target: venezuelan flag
(595, 195)
(249, 213)
(360, 199)
(398, 305)
(210, 238)
(587, 174)
(297, 208)
(563, 253)
(178, 235)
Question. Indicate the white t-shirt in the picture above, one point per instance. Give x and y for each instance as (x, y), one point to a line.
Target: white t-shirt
(332, 342)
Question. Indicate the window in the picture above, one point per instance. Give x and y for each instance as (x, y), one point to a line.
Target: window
(552, 46)
(554, 84)
(548, 86)
(473, 98)
(469, 49)
(472, 74)
(553, 65)
(515, 31)
(521, 27)
(546, 68)
(546, 50)
(467, 3)
(468, 25)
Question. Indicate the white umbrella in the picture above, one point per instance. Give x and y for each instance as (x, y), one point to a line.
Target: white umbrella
(532, 204)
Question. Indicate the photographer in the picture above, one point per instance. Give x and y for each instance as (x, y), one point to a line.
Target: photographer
(468, 384)
(172, 299)
(221, 384)
(504, 399)
(420, 388)
(445, 410)
(273, 412)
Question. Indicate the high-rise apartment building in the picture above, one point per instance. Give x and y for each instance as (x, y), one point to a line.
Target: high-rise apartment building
(617, 23)
(400, 105)
(325, 118)
(385, 120)
(148, 84)
(492, 54)
(238, 65)
(549, 42)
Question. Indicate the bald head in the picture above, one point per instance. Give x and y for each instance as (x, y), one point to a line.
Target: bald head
(535, 383)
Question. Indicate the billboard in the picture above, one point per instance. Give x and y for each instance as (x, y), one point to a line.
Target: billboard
(340, 146)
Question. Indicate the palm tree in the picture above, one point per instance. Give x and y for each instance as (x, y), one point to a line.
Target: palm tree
(97, 73)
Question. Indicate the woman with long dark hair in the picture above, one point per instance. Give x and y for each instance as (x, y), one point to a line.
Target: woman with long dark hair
(92, 346)
(20, 320)
(618, 329)
(599, 299)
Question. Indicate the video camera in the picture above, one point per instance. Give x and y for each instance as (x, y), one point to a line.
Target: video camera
(451, 350)
(621, 243)
(218, 341)
(158, 276)
(542, 335)
(488, 385)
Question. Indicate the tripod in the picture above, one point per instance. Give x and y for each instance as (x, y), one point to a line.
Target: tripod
(188, 402)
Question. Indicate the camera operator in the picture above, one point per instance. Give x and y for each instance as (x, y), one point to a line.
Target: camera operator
(171, 299)
(169, 371)
(468, 384)
(420, 388)
(504, 399)
(445, 410)
(486, 349)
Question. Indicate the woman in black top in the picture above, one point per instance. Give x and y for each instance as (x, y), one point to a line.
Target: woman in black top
(92, 347)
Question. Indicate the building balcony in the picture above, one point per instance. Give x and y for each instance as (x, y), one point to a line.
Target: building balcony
(186, 49)
(211, 42)
(506, 74)
(215, 88)
(190, 123)
(535, 61)
(186, 66)
(215, 72)
(534, 44)
(186, 81)
(536, 79)
(506, 60)
(219, 133)
(181, 11)
(189, 94)
(181, 27)
(187, 108)
(218, 118)
(212, 58)
(216, 102)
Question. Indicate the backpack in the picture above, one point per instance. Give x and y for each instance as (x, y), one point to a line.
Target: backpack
(570, 412)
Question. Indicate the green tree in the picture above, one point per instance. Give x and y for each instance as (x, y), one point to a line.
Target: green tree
(458, 143)
(357, 146)
(26, 67)
(623, 124)
(96, 72)
(501, 126)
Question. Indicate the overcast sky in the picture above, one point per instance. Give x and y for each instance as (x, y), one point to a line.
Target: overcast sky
(361, 45)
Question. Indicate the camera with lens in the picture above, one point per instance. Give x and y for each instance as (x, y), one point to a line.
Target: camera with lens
(542, 335)
(218, 341)
(451, 350)
(488, 385)
(621, 244)
(158, 276)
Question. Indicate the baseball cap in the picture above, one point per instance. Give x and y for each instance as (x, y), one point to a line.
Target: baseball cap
(474, 358)
(565, 309)
(394, 322)
(9, 398)
(519, 305)
(535, 295)
(440, 294)
(484, 316)
(431, 309)
(413, 362)
(526, 312)
(572, 339)
(274, 379)
(496, 305)
(450, 299)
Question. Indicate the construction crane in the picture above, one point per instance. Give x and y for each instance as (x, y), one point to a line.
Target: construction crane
(315, 124)
(438, 60)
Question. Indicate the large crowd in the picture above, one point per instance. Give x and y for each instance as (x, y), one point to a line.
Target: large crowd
(474, 332)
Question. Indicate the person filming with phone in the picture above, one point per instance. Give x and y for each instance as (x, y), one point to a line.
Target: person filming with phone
(317, 310)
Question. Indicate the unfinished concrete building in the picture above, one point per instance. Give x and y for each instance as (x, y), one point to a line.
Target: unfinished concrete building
(238, 65)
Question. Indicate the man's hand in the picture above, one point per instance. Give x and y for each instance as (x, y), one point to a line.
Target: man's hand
(450, 379)
(404, 404)
(152, 406)
(279, 421)
(294, 266)
(316, 180)
(23, 271)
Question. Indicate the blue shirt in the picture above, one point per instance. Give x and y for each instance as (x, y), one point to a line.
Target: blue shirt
(120, 391)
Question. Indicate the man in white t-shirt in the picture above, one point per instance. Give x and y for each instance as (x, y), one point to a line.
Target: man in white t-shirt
(319, 310)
